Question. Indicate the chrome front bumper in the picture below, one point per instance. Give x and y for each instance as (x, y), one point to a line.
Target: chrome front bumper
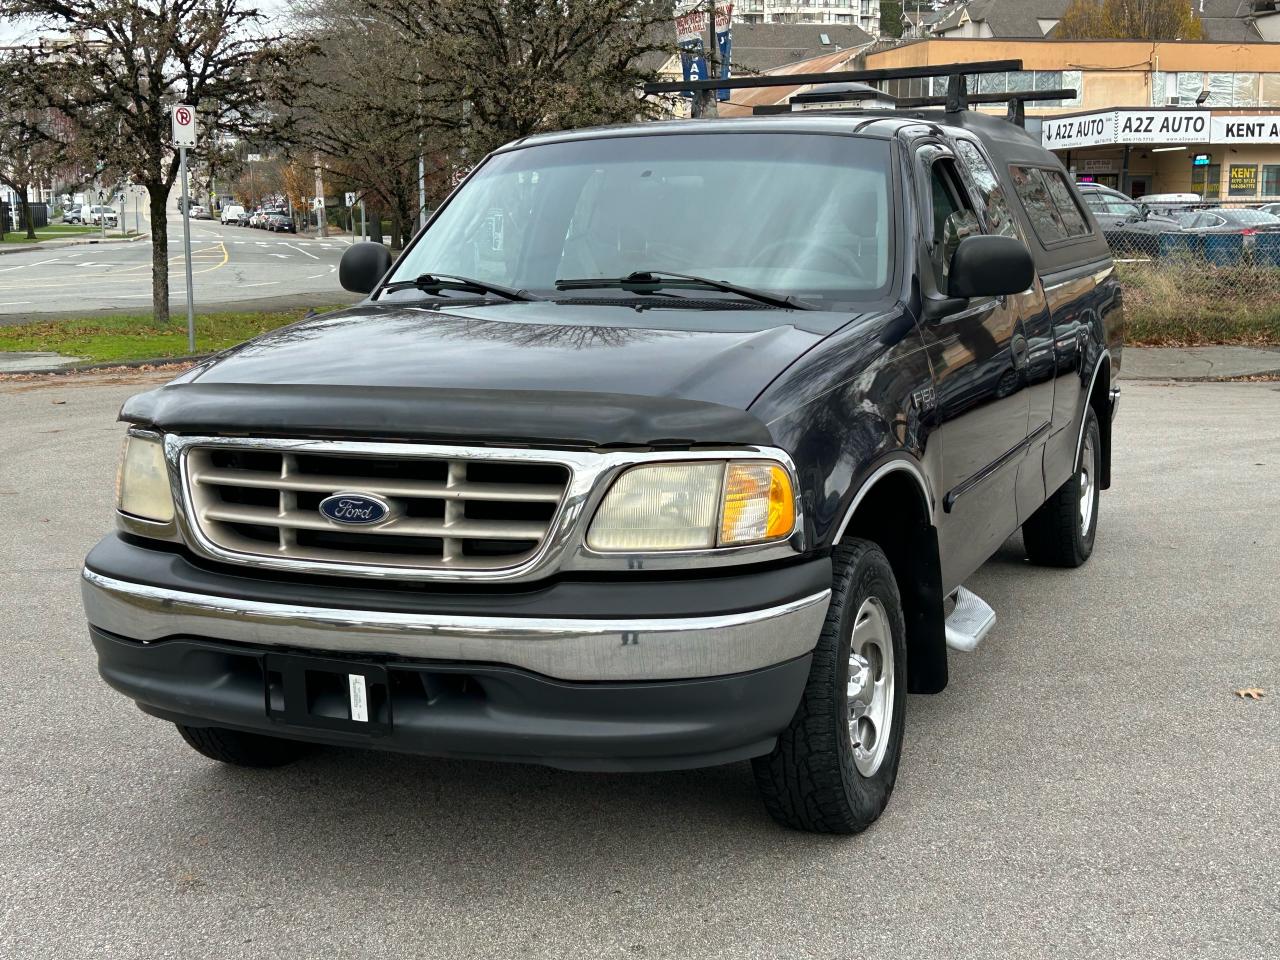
(566, 649)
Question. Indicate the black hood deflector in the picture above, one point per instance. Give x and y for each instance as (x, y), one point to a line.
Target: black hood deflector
(449, 415)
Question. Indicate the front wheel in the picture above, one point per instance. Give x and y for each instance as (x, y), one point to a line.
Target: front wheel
(834, 766)
(1061, 533)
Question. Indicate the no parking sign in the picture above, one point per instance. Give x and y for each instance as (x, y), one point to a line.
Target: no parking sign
(184, 125)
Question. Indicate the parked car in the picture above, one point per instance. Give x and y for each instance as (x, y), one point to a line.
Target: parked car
(231, 213)
(1240, 220)
(72, 214)
(584, 483)
(1129, 226)
(97, 212)
(1171, 204)
(1271, 208)
(280, 223)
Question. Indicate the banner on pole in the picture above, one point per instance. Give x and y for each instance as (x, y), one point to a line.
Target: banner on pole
(691, 30)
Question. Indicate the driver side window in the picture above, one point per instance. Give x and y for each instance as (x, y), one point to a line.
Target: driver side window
(952, 217)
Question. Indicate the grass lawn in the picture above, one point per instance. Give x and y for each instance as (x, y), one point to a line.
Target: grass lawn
(108, 339)
(1193, 304)
(60, 231)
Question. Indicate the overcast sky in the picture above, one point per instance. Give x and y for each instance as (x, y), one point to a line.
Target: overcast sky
(14, 32)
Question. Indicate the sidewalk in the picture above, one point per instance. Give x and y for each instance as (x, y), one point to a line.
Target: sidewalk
(1197, 363)
(10, 247)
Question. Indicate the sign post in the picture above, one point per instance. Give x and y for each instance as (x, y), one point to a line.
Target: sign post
(184, 135)
(351, 213)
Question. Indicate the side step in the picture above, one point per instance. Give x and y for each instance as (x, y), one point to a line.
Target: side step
(969, 622)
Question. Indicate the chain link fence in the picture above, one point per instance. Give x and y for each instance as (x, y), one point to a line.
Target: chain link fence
(1199, 285)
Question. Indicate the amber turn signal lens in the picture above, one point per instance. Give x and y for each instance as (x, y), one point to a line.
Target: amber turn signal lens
(759, 503)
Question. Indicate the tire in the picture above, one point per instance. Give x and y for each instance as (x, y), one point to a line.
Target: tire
(1062, 532)
(241, 749)
(816, 779)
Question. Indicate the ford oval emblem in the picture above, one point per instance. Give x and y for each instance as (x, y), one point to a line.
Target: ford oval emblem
(358, 509)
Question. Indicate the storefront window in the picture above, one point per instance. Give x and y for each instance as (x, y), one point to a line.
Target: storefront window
(1198, 180)
(1245, 90)
(1270, 90)
(1271, 179)
(1221, 89)
(1021, 80)
(1190, 85)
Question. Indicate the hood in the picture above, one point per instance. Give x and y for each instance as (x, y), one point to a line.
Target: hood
(720, 356)
(598, 373)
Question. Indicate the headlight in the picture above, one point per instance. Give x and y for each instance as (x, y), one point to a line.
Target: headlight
(692, 506)
(142, 488)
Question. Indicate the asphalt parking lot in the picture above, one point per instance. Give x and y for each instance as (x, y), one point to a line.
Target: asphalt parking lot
(1088, 786)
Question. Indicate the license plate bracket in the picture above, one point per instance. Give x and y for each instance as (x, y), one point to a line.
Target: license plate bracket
(351, 696)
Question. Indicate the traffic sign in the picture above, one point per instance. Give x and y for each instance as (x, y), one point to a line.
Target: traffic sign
(317, 203)
(184, 125)
(351, 198)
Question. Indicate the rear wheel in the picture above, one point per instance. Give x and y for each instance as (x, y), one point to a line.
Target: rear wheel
(834, 767)
(1061, 533)
(241, 749)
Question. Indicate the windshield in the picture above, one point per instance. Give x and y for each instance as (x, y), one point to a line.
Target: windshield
(800, 214)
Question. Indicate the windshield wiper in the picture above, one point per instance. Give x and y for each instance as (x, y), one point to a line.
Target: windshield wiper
(658, 278)
(435, 282)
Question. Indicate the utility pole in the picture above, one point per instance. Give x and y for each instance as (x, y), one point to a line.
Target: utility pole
(709, 104)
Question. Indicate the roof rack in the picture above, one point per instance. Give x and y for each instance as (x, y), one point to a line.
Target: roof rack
(957, 98)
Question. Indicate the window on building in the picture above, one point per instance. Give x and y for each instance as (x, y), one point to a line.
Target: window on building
(990, 194)
(1051, 222)
(1244, 90)
(1271, 179)
(1209, 191)
(1270, 94)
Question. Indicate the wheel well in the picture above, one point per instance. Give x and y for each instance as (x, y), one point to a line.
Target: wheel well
(1100, 400)
(895, 516)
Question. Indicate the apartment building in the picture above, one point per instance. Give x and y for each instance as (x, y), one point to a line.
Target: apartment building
(864, 14)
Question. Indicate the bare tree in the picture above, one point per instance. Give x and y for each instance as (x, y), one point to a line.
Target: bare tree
(122, 64)
(491, 71)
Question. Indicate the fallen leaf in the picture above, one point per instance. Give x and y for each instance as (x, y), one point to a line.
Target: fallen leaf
(58, 402)
(1251, 693)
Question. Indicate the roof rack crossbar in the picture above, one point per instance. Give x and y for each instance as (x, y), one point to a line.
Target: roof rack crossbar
(839, 76)
(1017, 112)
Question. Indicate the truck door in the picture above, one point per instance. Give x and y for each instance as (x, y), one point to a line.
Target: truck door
(982, 406)
(1034, 342)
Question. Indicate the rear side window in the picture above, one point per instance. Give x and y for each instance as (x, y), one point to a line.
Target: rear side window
(1050, 207)
(999, 216)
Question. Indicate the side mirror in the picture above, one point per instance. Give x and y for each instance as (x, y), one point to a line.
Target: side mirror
(989, 266)
(1144, 210)
(362, 266)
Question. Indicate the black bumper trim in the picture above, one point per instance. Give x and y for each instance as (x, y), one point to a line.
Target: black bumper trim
(479, 711)
(627, 596)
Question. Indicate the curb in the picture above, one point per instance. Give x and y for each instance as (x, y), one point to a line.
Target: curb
(110, 365)
(59, 244)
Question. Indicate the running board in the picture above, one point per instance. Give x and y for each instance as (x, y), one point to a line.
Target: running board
(970, 621)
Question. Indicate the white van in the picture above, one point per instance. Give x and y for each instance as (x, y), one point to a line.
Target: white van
(232, 213)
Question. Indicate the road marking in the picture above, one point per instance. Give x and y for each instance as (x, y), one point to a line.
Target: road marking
(282, 256)
(13, 303)
(264, 283)
(300, 250)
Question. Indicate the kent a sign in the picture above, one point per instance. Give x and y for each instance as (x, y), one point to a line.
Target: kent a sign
(1156, 127)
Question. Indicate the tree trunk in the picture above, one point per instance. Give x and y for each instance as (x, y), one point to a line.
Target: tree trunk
(26, 214)
(396, 229)
(375, 223)
(159, 252)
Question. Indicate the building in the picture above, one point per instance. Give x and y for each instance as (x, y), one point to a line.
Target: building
(1223, 21)
(864, 14)
(1143, 111)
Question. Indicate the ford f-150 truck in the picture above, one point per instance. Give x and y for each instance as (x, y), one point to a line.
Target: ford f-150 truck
(661, 446)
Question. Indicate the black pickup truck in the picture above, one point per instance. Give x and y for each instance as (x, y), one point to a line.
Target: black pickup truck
(661, 446)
